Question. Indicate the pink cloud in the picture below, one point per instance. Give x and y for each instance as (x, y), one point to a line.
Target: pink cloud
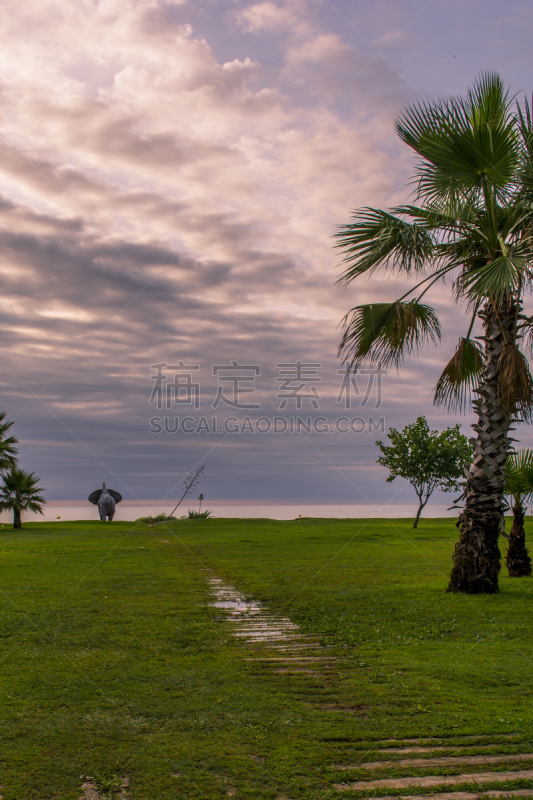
(135, 149)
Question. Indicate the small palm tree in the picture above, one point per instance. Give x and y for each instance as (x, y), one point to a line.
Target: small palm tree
(472, 226)
(8, 451)
(19, 493)
(519, 487)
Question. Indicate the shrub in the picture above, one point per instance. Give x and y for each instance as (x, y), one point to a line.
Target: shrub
(197, 514)
(158, 518)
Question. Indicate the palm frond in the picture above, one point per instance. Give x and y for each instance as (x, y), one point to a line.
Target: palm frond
(525, 125)
(468, 253)
(448, 215)
(525, 118)
(465, 144)
(35, 504)
(494, 280)
(514, 221)
(377, 238)
(522, 460)
(460, 376)
(385, 333)
(515, 382)
(526, 331)
(519, 475)
(488, 102)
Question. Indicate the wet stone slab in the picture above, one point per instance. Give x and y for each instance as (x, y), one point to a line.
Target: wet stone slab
(254, 623)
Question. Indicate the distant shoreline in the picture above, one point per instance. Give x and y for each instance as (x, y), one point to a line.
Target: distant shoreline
(129, 510)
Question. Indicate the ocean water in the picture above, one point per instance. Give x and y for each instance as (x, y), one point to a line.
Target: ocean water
(131, 510)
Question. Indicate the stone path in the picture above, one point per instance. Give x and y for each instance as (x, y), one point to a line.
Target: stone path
(282, 649)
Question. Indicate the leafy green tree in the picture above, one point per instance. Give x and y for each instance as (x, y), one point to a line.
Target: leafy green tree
(8, 451)
(471, 227)
(519, 487)
(19, 493)
(429, 460)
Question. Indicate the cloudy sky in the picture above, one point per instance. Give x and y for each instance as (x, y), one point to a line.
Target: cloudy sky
(171, 174)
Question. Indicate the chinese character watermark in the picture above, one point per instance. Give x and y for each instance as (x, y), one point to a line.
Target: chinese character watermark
(232, 375)
(177, 385)
(182, 390)
(349, 385)
(297, 381)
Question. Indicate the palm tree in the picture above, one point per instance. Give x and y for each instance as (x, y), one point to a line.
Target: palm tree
(519, 486)
(8, 451)
(472, 226)
(20, 492)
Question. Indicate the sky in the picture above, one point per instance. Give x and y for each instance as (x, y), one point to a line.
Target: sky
(171, 175)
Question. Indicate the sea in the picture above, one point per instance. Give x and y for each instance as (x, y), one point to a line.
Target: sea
(130, 510)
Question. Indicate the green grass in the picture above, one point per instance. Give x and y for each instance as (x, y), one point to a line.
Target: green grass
(112, 662)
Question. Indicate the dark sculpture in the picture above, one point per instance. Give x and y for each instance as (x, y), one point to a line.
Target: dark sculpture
(106, 500)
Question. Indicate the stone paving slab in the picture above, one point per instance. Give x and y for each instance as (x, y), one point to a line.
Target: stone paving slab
(437, 780)
(294, 659)
(441, 740)
(450, 761)
(293, 671)
(462, 795)
(435, 749)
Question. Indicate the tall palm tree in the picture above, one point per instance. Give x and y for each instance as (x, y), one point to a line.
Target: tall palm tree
(19, 493)
(471, 225)
(8, 451)
(519, 487)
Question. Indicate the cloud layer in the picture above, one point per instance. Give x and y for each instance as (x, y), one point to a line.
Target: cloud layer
(171, 176)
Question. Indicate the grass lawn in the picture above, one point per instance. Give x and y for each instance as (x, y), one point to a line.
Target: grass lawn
(113, 661)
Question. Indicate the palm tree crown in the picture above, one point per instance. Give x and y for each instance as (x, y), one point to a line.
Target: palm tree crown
(519, 476)
(519, 487)
(21, 492)
(471, 226)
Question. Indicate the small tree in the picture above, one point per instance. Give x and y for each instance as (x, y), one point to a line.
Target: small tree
(519, 486)
(429, 460)
(19, 493)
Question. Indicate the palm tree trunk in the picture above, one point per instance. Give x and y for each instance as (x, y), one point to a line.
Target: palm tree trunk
(17, 522)
(517, 559)
(476, 560)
